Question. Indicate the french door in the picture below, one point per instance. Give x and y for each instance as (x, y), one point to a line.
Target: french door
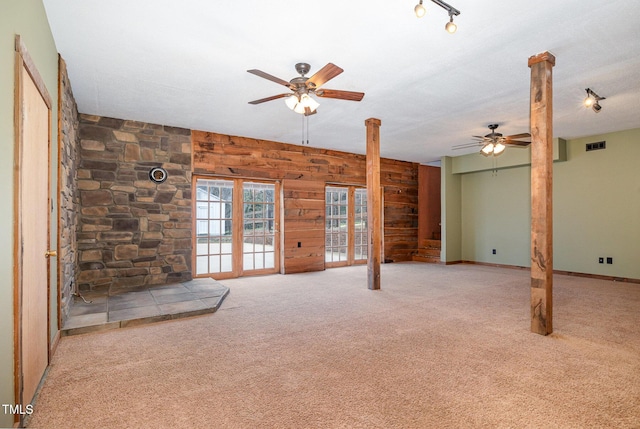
(236, 227)
(346, 238)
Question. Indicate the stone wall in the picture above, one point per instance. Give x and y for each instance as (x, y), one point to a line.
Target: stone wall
(68, 221)
(133, 232)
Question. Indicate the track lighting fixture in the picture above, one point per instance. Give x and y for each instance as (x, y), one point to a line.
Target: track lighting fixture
(451, 27)
(593, 100)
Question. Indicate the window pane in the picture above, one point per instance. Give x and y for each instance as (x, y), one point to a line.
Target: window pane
(214, 203)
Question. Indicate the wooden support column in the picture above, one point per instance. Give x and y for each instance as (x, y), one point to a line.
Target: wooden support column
(541, 193)
(374, 201)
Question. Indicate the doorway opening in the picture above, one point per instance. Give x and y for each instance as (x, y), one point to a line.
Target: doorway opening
(346, 234)
(236, 227)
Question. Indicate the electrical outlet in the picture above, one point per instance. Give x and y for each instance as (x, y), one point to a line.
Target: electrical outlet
(609, 260)
(493, 251)
(601, 260)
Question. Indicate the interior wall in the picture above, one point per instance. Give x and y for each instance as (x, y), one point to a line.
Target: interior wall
(596, 206)
(28, 19)
(451, 205)
(131, 231)
(496, 215)
(69, 194)
(304, 171)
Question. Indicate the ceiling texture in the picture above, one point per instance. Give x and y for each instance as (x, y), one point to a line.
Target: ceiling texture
(184, 63)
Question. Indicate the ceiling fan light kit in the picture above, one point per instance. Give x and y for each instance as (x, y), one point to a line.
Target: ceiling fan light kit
(300, 101)
(495, 143)
(593, 100)
(451, 27)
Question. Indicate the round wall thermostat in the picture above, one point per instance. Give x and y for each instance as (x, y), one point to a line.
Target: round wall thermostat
(158, 175)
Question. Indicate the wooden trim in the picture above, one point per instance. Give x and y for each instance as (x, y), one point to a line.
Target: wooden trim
(49, 234)
(61, 66)
(55, 342)
(24, 61)
(558, 272)
(31, 68)
(17, 234)
(489, 264)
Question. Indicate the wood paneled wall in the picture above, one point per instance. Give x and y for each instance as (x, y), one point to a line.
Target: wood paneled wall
(429, 203)
(304, 172)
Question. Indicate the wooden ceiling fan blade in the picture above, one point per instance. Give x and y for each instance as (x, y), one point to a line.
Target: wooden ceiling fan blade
(324, 75)
(517, 143)
(464, 145)
(519, 136)
(341, 95)
(273, 97)
(269, 77)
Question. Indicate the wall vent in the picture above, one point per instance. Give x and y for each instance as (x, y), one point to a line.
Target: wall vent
(596, 146)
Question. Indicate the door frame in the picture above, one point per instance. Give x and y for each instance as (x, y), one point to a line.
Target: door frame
(237, 227)
(24, 61)
(351, 260)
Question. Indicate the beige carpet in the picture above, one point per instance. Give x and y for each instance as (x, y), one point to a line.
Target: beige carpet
(437, 347)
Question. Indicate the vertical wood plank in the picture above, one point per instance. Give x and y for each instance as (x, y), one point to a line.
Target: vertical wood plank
(541, 193)
(373, 202)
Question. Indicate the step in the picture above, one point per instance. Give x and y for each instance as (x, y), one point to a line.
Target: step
(429, 251)
(429, 243)
(428, 259)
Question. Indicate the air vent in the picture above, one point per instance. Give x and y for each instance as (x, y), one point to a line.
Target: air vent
(596, 146)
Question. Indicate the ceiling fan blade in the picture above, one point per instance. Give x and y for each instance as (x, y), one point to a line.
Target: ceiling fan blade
(465, 145)
(269, 77)
(324, 75)
(273, 97)
(519, 136)
(342, 95)
(517, 143)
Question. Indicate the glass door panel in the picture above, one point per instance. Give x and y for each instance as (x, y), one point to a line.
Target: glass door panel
(336, 225)
(214, 226)
(346, 231)
(259, 226)
(360, 242)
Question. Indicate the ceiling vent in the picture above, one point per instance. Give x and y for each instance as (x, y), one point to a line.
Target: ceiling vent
(596, 146)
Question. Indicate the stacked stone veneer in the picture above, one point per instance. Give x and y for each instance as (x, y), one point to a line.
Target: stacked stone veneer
(69, 142)
(133, 232)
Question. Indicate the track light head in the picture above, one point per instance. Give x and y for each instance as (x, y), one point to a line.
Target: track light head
(420, 10)
(596, 107)
(451, 27)
(593, 100)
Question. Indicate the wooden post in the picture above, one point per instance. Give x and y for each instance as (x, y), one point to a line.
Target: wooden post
(374, 200)
(541, 193)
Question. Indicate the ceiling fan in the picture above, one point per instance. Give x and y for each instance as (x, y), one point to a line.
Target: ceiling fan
(495, 143)
(303, 87)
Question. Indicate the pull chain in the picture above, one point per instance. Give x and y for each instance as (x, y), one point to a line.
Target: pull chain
(305, 123)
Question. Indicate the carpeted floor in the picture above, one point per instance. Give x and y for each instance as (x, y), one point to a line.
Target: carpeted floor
(437, 347)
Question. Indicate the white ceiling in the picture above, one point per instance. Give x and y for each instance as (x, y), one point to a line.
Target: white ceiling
(183, 63)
